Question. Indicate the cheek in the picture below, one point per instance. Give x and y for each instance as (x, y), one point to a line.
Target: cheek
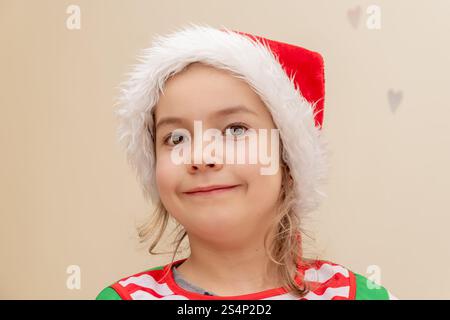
(167, 174)
(263, 189)
(264, 178)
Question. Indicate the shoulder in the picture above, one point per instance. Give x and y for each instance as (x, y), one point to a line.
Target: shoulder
(327, 280)
(119, 289)
(108, 294)
(366, 289)
(335, 281)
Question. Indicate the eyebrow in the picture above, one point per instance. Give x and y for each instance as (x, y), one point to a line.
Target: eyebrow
(222, 112)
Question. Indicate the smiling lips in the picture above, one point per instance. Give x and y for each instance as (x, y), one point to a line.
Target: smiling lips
(210, 190)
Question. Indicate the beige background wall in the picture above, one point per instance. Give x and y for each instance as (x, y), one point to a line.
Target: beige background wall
(69, 198)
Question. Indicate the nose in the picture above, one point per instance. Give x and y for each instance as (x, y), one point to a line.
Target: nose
(201, 162)
(202, 167)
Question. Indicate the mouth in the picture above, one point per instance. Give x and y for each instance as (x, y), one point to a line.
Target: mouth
(212, 190)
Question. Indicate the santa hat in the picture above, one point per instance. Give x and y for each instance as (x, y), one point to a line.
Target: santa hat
(289, 79)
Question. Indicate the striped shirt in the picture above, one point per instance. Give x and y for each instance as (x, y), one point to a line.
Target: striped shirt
(328, 280)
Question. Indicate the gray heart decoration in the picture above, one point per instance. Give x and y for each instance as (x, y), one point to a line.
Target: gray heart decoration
(394, 98)
(353, 16)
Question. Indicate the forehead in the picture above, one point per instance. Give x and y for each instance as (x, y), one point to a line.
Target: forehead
(200, 91)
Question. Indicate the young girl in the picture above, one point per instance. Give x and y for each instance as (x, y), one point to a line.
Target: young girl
(242, 218)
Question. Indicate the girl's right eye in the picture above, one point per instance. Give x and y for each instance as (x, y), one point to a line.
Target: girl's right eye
(174, 138)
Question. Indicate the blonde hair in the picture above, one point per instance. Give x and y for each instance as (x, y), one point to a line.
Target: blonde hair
(284, 249)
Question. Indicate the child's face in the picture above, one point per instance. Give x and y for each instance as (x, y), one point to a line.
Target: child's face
(230, 217)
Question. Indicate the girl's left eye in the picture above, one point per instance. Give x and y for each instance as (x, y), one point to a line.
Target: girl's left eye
(236, 129)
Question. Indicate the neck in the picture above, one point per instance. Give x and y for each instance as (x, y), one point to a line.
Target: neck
(229, 271)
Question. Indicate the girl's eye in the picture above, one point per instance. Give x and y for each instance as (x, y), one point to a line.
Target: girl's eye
(174, 138)
(236, 129)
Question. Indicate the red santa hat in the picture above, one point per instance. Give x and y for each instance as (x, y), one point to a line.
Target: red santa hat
(288, 78)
